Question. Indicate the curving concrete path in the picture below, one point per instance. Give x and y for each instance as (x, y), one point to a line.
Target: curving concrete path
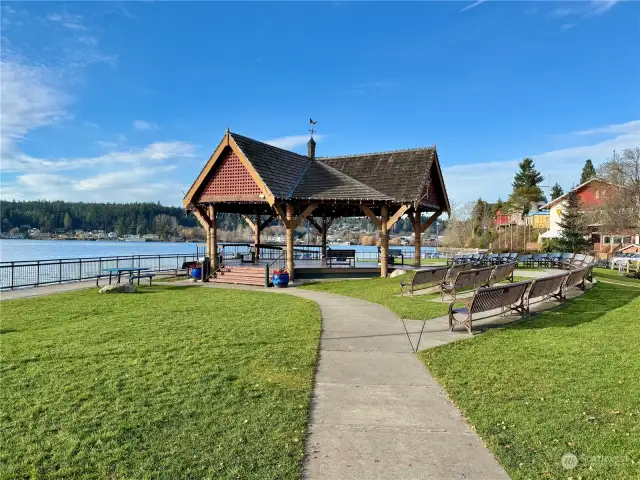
(376, 411)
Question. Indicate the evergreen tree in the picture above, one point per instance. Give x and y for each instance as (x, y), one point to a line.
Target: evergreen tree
(573, 225)
(526, 186)
(556, 191)
(588, 171)
(527, 175)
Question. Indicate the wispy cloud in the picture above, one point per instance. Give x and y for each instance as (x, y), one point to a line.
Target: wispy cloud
(470, 181)
(144, 125)
(293, 141)
(473, 5)
(568, 26)
(31, 99)
(139, 184)
(67, 20)
(598, 7)
(154, 152)
(617, 128)
(560, 12)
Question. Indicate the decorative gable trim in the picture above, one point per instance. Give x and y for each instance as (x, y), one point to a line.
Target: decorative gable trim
(200, 182)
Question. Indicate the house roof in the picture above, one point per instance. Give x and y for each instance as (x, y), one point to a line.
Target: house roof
(579, 188)
(399, 176)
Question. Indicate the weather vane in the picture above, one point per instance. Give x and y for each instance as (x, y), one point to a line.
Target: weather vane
(313, 124)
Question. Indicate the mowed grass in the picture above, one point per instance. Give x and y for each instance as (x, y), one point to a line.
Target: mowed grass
(386, 291)
(171, 382)
(608, 275)
(563, 382)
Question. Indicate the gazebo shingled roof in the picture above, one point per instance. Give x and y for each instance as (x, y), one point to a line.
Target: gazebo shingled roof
(248, 177)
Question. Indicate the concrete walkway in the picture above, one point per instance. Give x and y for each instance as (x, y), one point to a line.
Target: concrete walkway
(376, 411)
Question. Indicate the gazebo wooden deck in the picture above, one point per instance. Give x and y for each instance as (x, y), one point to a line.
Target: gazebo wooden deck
(262, 183)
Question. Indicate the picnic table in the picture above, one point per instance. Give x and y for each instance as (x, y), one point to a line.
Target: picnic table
(118, 271)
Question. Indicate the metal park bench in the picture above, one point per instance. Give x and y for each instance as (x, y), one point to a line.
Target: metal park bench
(424, 279)
(503, 272)
(547, 287)
(142, 275)
(505, 297)
(573, 261)
(538, 260)
(525, 260)
(455, 269)
(477, 259)
(467, 279)
(456, 259)
(553, 259)
(393, 254)
(490, 259)
(576, 278)
(341, 257)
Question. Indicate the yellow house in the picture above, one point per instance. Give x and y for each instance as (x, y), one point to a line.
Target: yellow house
(539, 219)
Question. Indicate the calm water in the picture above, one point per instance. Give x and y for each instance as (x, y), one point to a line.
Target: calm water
(14, 250)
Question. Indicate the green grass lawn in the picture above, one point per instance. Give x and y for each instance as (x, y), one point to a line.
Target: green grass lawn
(565, 381)
(171, 382)
(385, 291)
(607, 274)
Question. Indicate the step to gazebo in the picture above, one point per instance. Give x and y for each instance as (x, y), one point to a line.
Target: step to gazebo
(240, 275)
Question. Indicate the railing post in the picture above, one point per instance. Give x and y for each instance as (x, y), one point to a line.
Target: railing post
(38, 273)
(266, 275)
(60, 271)
(80, 270)
(158, 262)
(12, 274)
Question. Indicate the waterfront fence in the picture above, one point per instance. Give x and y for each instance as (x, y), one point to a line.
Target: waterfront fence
(32, 273)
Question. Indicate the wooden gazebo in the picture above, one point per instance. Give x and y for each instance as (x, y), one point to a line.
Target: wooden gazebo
(263, 182)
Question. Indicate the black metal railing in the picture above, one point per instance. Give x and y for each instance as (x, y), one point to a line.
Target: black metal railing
(32, 273)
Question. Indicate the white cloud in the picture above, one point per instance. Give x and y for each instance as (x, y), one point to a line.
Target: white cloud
(31, 99)
(144, 125)
(154, 152)
(292, 141)
(88, 40)
(67, 20)
(121, 186)
(598, 7)
(121, 179)
(491, 180)
(560, 12)
(568, 26)
(629, 127)
(473, 5)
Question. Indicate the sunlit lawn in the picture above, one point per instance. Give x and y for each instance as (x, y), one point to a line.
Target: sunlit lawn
(385, 291)
(563, 382)
(171, 382)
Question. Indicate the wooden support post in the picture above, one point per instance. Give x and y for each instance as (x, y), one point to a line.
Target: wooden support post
(213, 256)
(324, 239)
(256, 238)
(417, 240)
(289, 224)
(384, 240)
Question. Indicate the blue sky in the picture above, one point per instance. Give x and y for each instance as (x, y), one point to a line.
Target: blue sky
(126, 101)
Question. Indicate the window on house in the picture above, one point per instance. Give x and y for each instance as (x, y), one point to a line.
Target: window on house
(607, 240)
